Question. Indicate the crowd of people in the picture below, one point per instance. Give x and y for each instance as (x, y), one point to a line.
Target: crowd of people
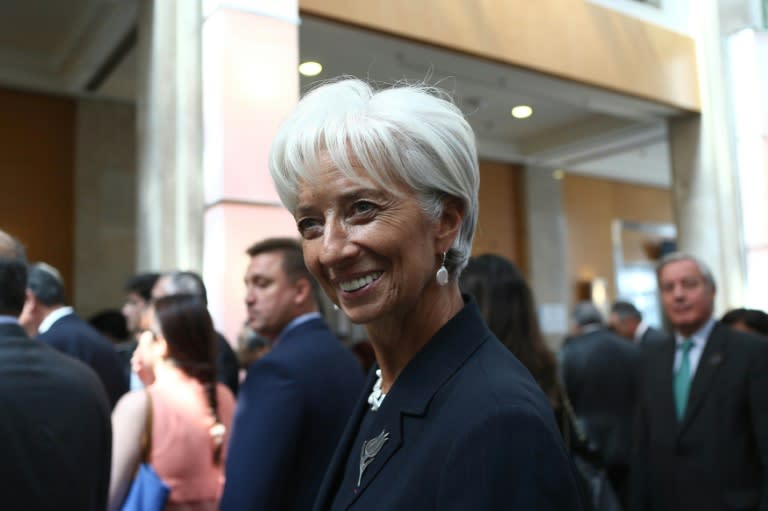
(464, 406)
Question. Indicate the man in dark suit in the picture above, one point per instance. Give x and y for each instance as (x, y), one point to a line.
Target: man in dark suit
(600, 376)
(188, 282)
(701, 434)
(627, 321)
(295, 401)
(55, 424)
(46, 315)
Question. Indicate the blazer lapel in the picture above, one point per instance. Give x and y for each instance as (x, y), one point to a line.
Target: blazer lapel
(710, 362)
(417, 385)
(384, 438)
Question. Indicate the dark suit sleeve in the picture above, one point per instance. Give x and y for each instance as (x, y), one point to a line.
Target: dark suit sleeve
(511, 459)
(262, 450)
(228, 368)
(758, 408)
(638, 482)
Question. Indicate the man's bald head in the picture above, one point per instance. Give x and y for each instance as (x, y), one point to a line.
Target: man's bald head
(13, 275)
(10, 247)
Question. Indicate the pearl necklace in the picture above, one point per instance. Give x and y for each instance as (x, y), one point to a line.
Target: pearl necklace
(377, 396)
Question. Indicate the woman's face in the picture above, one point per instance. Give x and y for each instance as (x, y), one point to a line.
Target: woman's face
(149, 350)
(373, 251)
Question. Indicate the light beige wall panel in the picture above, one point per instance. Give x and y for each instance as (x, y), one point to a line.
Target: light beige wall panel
(571, 39)
(590, 207)
(105, 218)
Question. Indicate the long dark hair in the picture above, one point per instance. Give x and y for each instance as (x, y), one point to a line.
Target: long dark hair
(188, 330)
(508, 307)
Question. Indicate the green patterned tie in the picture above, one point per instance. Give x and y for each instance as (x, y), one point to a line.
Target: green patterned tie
(683, 379)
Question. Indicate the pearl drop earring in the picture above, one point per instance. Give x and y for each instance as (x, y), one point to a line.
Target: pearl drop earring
(442, 274)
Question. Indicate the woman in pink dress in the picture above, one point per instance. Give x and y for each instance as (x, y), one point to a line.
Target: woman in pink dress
(191, 412)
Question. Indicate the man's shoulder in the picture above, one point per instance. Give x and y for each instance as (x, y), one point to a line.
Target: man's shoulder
(48, 367)
(736, 340)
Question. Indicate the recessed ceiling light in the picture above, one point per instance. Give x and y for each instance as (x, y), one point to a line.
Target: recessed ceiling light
(521, 112)
(310, 68)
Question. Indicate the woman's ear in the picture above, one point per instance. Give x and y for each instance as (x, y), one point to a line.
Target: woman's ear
(449, 223)
(303, 291)
(161, 347)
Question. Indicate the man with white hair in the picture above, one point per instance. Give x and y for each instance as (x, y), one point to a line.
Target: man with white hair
(701, 434)
(46, 316)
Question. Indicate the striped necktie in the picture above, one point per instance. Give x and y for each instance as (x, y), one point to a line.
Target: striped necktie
(682, 381)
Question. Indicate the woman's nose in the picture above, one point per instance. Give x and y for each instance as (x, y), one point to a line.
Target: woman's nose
(336, 244)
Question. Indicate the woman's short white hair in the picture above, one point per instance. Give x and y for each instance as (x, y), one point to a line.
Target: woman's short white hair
(404, 134)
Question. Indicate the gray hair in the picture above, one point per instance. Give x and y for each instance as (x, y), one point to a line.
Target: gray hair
(587, 313)
(45, 282)
(409, 134)
(183, 283)
(706, 273)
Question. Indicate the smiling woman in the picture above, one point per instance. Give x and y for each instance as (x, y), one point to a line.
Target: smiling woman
(383, 186)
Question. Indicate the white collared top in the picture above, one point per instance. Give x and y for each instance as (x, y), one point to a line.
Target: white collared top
(699, 339)
(53, 317)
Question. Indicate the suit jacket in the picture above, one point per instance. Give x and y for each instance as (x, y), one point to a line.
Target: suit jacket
(716, 458)
(73, 336)
(290, 413)
(227, 367)
(55, 428)
(466, 427)
(652, 336)
(600, 375)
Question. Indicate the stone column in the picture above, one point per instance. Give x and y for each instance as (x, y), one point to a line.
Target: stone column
(702, 153)
(547, 245)
(250, 83)
(169, 137)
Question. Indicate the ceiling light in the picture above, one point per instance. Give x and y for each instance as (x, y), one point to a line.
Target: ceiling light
(310, 68)
(521, 111)
(558, 174)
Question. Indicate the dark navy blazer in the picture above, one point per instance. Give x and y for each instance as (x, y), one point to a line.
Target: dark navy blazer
(55, 428)
(291, 411)
(73, 336)
(468, 429)
(716, 458)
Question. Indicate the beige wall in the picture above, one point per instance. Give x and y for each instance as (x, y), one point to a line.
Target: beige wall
(590, 205)
(500, 228)
(105, 221)
(570, 39)
(36, 169)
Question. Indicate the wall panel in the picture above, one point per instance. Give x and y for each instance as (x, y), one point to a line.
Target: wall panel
(36, 176)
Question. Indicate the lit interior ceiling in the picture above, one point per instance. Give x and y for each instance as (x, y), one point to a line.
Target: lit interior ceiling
(87, 48)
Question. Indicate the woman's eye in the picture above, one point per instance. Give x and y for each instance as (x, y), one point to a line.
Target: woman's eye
(307, 227)
(363, 207)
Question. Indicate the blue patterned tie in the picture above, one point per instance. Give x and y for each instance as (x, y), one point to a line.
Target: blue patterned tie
(683, 379)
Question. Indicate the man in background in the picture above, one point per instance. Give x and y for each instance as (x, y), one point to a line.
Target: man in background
(55, 423)
(46, 316)
(599, 373)
(701, 435)
(296, 399)
(627, 321)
